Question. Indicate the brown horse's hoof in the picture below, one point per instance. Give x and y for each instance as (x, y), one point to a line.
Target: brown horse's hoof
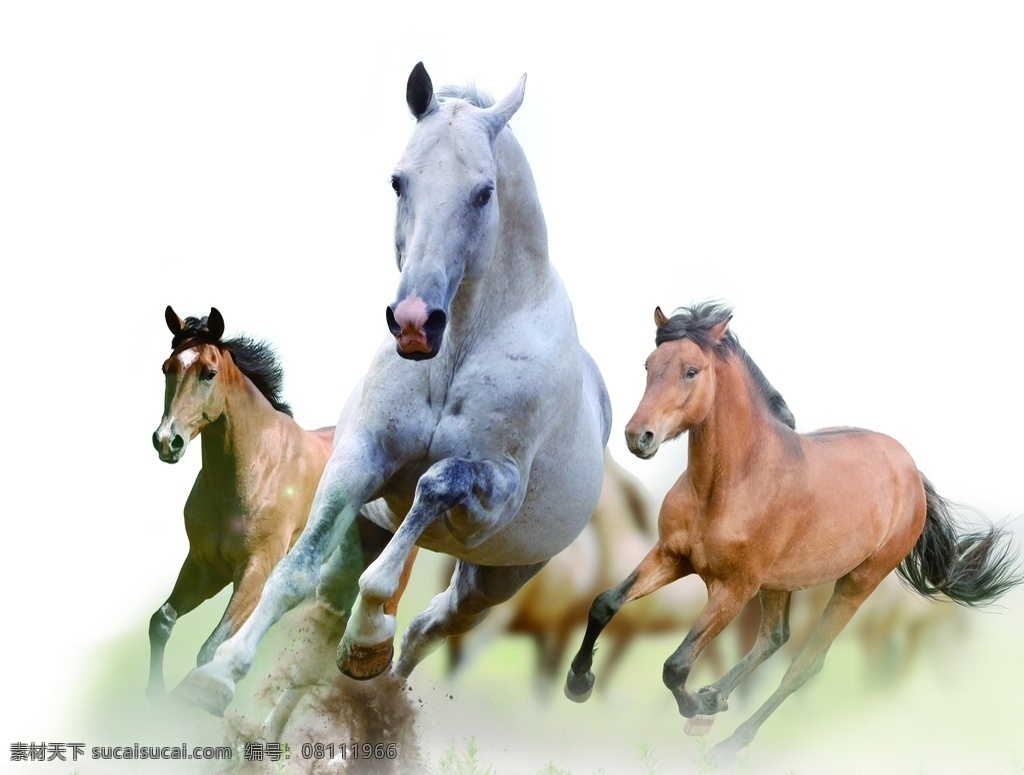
(578, 688)
(698, 726)
(207, 691)
(365, 662)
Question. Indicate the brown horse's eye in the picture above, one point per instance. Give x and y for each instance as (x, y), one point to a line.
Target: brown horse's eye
(692, 372)
(210, 375)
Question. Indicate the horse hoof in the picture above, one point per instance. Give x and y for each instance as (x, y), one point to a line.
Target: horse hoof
(698, 726)
(578, 688)
(365, 662)
(724, 754)
(210, 693)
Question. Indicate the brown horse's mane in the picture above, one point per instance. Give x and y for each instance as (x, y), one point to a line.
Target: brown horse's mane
(695, 323)
(254, 358)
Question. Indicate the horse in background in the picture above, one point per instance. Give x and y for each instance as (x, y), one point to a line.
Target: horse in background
(479, 427)
(259, 472)
(554, 604)
(763, 510)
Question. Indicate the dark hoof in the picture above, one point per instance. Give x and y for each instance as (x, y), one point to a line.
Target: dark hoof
(578, 688)
(362, 663)
(206, 691)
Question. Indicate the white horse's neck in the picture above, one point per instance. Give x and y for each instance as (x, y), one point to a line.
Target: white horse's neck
(519, 275)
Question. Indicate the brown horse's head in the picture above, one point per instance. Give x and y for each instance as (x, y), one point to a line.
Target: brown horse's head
(680, 386)
(192, 399)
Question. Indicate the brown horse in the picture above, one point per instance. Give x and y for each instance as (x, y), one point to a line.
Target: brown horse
(253, 493)
(762, 509)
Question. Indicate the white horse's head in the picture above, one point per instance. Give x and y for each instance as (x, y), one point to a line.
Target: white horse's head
(446, 228)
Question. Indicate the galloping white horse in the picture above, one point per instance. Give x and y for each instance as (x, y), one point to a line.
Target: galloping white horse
(477, 432)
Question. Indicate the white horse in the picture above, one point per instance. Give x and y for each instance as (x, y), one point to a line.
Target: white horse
(477, 432)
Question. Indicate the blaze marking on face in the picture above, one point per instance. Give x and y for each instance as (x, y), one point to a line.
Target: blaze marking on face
(411, 316)
(187, 358)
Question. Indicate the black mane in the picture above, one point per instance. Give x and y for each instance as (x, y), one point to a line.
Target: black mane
(695, 323)
(254, 358)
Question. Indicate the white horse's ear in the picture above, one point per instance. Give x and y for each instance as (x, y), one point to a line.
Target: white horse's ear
(499, 113)
(718, 332)
(419, 92)
(659, 318)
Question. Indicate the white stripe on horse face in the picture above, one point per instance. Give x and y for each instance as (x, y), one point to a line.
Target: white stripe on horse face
(187, 358)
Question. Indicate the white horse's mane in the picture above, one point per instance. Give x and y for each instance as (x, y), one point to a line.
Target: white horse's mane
(470, 93)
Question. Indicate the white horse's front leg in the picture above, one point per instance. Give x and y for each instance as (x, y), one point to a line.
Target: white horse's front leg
(349, 479)
(484, 488)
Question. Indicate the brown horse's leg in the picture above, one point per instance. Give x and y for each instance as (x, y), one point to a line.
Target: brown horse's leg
(850, 592)
(248, 585)
(772, 633)
(658, 568)
(195, 584)
(725, 600)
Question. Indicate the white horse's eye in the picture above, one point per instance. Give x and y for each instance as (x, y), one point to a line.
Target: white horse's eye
(396, 184)
(483, 197)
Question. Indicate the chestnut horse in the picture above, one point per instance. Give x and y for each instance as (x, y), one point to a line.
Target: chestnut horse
(762, 509)
(253, 493)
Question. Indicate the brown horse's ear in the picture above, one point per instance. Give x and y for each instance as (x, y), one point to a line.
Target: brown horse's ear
(718, 332)
(215, 324)
(659, 318)
(173, 321)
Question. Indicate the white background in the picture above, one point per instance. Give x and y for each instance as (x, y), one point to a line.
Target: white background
(849, 178)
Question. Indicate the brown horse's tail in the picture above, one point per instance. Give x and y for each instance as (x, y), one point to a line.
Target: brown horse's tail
(970, 568)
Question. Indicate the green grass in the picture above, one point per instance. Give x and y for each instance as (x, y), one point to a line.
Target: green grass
(466, 762)
(648, 761)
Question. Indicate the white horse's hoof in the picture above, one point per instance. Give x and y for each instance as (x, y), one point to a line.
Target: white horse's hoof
(365, 662)
(211, 693)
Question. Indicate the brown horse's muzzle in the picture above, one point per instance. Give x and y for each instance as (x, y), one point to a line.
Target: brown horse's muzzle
(170, 446)
(642, 441)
